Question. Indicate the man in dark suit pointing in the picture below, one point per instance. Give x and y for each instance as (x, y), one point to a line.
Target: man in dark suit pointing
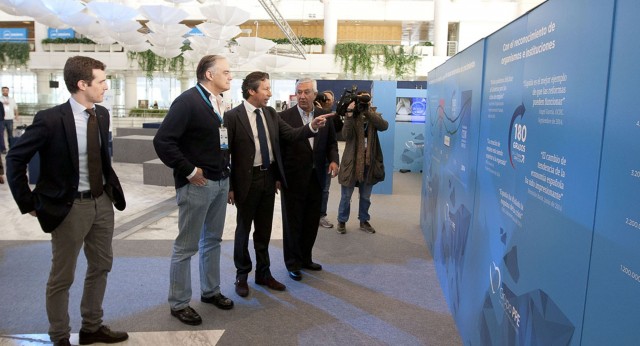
(255, 131)
(304, 167)
(74, 196)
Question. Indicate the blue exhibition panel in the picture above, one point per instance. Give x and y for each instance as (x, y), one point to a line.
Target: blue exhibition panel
(514, 264)
(383, 95)
(612, 309)
(452, 128)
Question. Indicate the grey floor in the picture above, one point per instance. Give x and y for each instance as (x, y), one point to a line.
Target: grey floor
(378, 289)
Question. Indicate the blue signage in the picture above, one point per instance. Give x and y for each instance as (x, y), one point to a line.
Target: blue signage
(13, 34)
(195, 32)
(61, 33)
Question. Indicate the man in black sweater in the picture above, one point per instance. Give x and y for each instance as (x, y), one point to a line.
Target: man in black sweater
(192, 140)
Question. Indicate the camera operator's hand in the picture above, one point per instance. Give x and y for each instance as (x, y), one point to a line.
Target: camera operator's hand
(350, 109)
(317, 104)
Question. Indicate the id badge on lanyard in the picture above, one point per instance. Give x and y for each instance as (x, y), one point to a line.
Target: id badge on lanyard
(224, 138)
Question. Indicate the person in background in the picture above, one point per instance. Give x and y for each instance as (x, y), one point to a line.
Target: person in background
(73, 198)
(193, 142)
(362, 162)
(304, 168)
(10, 114)
(284, 106)
(255, 131)
(327, 105)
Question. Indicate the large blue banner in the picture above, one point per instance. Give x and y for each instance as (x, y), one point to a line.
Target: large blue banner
(512, 235)
(612, 309)
(542, 121)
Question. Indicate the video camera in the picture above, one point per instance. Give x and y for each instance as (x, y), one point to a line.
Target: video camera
(348, 96)
(321, 98)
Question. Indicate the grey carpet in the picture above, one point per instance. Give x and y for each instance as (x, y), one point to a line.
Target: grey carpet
(378, 289)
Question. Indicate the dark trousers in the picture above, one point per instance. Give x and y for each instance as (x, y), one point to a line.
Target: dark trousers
(257, 208)
(88, 226)
(300, 220)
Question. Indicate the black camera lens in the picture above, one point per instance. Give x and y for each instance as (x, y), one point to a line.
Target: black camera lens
(322, 98)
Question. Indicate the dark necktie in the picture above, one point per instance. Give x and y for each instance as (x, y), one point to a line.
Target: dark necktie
(93, 155)
(262, 138)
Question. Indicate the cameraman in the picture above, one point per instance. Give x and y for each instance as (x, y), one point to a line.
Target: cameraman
(362, 163)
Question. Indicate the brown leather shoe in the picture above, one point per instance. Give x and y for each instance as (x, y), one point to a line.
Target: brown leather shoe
(271, 283)
(242, 289)
(103, 334)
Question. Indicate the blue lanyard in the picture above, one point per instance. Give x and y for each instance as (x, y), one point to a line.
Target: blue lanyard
(206, 99)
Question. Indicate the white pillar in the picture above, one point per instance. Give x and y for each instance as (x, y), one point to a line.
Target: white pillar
(42, 86)
(330, 27)
(40, 32)
(130, 90)
(184, 84)
(440, 27)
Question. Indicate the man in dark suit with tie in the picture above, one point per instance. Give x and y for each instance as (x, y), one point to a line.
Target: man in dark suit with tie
(255, 131)
(304, 167)
(74, 197)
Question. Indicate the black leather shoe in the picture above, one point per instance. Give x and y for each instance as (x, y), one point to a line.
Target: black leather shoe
(295, 274)
(312, 266)
(104, 335)
(242, 289)
(218, 300)
(271, 283)
(187, 316)
(62, 342)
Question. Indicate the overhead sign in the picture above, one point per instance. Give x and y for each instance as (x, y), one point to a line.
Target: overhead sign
(14, 34)
(61, 33)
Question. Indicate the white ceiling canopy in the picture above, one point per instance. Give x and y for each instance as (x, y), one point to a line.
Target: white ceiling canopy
(202, 43)
(79, 19)
(127, 26)
(219, 32)
(165, 41)
(166, 52)
(225, 15)
(129, 37)
(163, 14)
(113, 13)
(255, 44)
(168, 29)
(63, 7)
